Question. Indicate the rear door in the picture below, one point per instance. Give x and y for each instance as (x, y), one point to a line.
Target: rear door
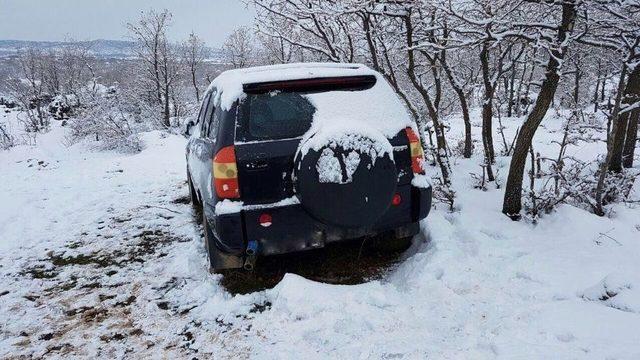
(268, 131)
(271, 121)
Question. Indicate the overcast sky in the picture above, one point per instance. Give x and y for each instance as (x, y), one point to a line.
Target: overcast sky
(212, 20)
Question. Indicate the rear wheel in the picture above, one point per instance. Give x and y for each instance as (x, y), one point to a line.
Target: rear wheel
(219, 262)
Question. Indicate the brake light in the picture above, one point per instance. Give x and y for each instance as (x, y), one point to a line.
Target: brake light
(225, 173)
(417, 154)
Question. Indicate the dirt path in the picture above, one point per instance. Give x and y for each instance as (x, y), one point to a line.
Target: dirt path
(109, 291)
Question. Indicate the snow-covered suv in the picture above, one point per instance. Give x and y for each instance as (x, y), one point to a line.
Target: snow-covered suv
(289, 157)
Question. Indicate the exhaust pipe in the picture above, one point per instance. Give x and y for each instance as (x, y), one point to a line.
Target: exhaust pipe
(252, 254)
(250, 263)
(252, 248)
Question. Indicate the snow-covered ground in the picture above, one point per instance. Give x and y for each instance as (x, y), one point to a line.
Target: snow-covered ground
(100, 256)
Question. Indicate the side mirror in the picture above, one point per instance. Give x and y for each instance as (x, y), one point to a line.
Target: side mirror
(188, 128)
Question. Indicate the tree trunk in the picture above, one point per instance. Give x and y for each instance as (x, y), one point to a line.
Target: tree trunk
(512, 80)
(595, 95)
(611, 139)
(195, 84)
(41, 123)
(464, 106)
(166, 112)
(530, 80)
(487, 112)
(487, 136)
(630, 96)
(513, 191)
(518, 98)
(603, 87)
(468, 145)
(576, 86)
(631, 138)
(615, 165)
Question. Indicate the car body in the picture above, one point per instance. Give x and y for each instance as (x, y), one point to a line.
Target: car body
(248, 151)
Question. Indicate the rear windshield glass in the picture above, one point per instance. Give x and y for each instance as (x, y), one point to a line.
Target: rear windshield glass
(276, 115)
(283, 110)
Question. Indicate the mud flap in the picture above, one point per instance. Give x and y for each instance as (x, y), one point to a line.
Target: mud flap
(218, 260)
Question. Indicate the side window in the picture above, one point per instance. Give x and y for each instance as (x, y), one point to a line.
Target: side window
(215, 123)
(206, 123)
(203, 108)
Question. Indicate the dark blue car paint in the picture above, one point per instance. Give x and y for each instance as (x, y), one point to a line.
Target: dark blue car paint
(265, 176)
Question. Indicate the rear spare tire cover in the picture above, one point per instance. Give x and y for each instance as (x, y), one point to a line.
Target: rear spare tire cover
(346, 185)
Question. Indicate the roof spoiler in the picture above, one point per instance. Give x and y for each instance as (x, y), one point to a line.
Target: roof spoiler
(340, 83)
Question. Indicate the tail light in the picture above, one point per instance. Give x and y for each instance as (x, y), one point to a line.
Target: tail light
(397, 200)
(225, 173)
(417, 154)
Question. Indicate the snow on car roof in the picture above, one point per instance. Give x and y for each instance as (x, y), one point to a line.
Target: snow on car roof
(342, 118)
(229, 83)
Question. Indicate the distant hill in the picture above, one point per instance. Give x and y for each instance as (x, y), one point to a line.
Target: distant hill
(100, 48)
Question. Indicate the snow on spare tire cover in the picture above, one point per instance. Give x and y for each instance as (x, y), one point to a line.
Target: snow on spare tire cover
(347, 183)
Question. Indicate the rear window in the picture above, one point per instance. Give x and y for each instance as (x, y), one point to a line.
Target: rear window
(282, 109)
(276, 115)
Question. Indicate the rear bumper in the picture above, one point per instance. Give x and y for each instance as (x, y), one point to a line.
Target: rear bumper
(293, 229)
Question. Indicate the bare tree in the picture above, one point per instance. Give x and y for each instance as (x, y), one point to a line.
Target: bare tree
(169, 74)
(629, 101)
(557, 48)
(431, 101)
(239, 47)
(75, 68)
(616, 26)
(490, 28)
(158, 57)
(28, 89)
(460, 88)
(193, 53)
(631, 139)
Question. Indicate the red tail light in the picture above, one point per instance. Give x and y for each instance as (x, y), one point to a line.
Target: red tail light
(417, 154)
(225, 173)
(397, 200)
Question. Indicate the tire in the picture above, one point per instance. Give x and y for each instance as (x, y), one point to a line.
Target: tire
(219, 262)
